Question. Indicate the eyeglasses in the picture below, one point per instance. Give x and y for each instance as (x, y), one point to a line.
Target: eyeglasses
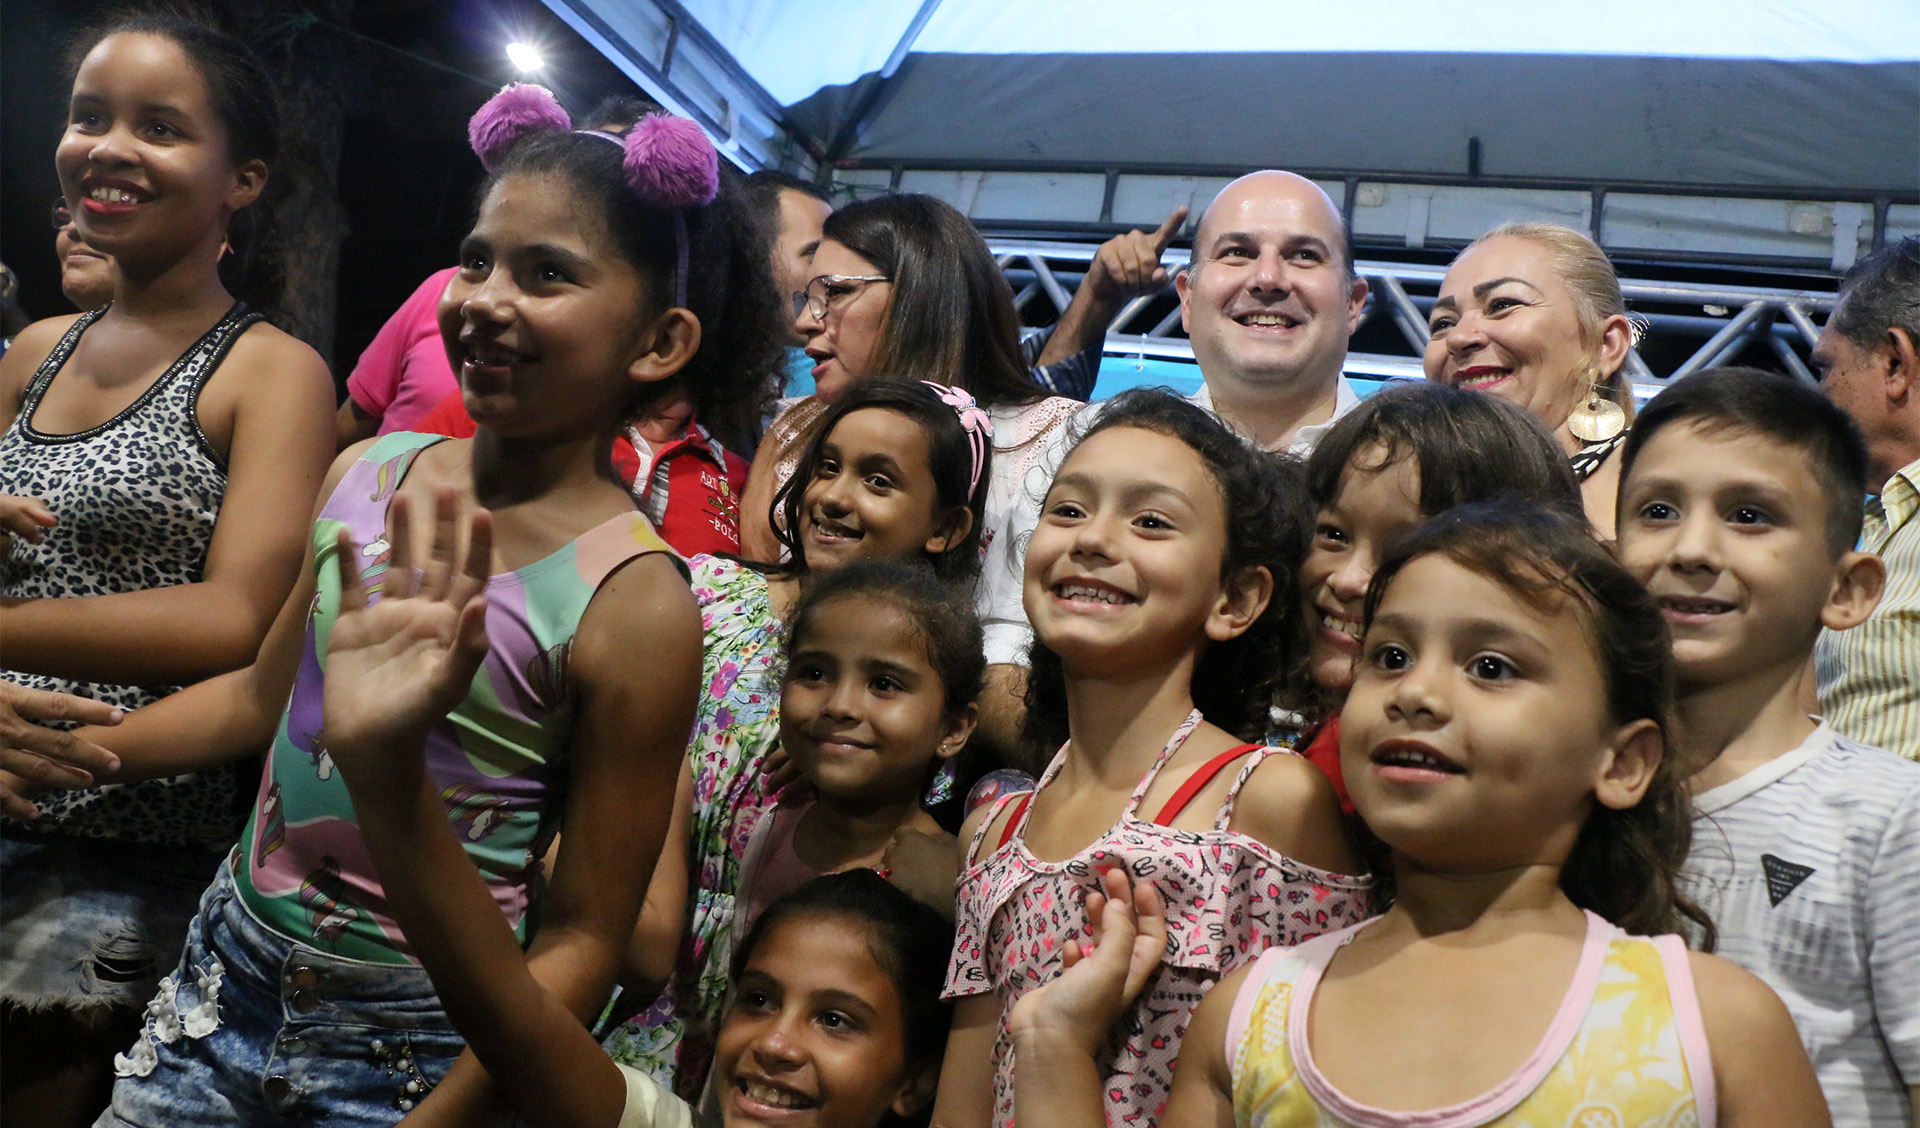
(61, 216)
(826, 287)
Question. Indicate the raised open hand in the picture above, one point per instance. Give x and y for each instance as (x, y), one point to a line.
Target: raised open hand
(395, 667)
(1102, 978)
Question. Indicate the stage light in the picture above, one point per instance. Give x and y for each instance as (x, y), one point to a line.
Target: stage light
(525, 57)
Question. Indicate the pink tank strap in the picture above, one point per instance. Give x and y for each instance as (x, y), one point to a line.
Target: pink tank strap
(1243, 1002)
(986, 824)
(1198, 780)
(1259, 756)
(1688, 1023)
(1552, 1047)
(1174, 744)
(1017, 823)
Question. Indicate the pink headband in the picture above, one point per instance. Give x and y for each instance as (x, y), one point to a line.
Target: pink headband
(667, 160)
(974, 421)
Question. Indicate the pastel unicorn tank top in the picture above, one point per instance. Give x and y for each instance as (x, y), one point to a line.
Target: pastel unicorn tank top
(499, 758)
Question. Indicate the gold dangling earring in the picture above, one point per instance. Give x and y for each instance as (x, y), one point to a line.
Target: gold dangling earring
(226, 248)
(1596, 418)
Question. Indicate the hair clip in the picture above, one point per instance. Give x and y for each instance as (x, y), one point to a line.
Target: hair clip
(974, 421)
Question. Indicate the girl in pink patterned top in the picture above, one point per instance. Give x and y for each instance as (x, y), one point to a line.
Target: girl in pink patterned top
(1149, 583)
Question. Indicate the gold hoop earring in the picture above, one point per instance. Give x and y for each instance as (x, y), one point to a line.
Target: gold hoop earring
(1596, 418)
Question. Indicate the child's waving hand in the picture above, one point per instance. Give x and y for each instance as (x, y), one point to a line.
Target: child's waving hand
(397, 666)
(1129, 925)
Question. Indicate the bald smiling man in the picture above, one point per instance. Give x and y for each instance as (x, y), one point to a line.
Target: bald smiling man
(1269, 302)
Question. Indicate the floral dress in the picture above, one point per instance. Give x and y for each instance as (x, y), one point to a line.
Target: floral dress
(1229, 897)
(737, 726)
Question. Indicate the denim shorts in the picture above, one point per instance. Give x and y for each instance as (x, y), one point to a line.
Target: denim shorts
(92, 921)
(258, 1028)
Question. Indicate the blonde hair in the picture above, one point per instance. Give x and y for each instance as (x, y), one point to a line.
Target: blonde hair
(1588, 275)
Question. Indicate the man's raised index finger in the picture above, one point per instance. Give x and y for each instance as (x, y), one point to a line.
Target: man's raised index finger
(1166, 232)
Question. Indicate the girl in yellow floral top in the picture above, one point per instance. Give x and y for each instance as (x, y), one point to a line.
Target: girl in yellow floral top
(1504, 743)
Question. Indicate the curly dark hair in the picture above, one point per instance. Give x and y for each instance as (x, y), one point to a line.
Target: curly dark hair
(1624, 863)
(949, 454)
(729, 288)
(1267, 521)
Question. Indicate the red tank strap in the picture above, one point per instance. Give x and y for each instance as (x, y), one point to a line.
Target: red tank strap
(1013, 820)
(1198, 780)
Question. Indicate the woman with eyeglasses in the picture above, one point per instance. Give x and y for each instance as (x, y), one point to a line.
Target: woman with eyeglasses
(159, 457)
(904, 286)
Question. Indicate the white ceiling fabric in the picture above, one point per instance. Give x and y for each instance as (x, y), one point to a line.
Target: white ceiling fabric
(796, 47)
(1787, 98)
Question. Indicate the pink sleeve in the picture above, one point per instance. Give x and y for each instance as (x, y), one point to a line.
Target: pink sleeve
(967, 968)
(387, 372)
(1691, 1027)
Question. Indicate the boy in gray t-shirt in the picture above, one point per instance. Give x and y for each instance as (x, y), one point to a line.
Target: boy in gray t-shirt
(1740, 503)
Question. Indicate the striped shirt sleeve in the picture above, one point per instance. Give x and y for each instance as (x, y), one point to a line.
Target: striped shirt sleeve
(1869, 677)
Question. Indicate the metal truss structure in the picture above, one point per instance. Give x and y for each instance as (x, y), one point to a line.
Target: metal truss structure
(1044, 222)
(1725, 320)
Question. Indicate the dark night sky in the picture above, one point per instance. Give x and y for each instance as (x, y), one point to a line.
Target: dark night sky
(406, 176)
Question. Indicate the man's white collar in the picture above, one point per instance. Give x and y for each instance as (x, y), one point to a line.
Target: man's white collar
(1345, 399)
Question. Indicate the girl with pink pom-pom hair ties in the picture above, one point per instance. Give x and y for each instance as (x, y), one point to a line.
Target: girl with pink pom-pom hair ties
(455, 675)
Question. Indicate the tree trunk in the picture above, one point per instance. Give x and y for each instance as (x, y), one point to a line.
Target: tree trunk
(310, 63)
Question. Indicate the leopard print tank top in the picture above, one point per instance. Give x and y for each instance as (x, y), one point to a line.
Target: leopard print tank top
(137, 498)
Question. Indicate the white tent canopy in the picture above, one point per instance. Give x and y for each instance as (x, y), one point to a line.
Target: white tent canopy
(1773, 94)
(1765, 130)
(1771, 135)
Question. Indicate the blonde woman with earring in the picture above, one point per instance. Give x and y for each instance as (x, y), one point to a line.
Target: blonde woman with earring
(1532, 313)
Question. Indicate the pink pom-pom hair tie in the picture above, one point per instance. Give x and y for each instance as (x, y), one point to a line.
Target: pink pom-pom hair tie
(667, 161)
(519, 109)
(670, 163)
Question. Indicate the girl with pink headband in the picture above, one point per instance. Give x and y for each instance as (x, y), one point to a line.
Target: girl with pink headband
(898, 470)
